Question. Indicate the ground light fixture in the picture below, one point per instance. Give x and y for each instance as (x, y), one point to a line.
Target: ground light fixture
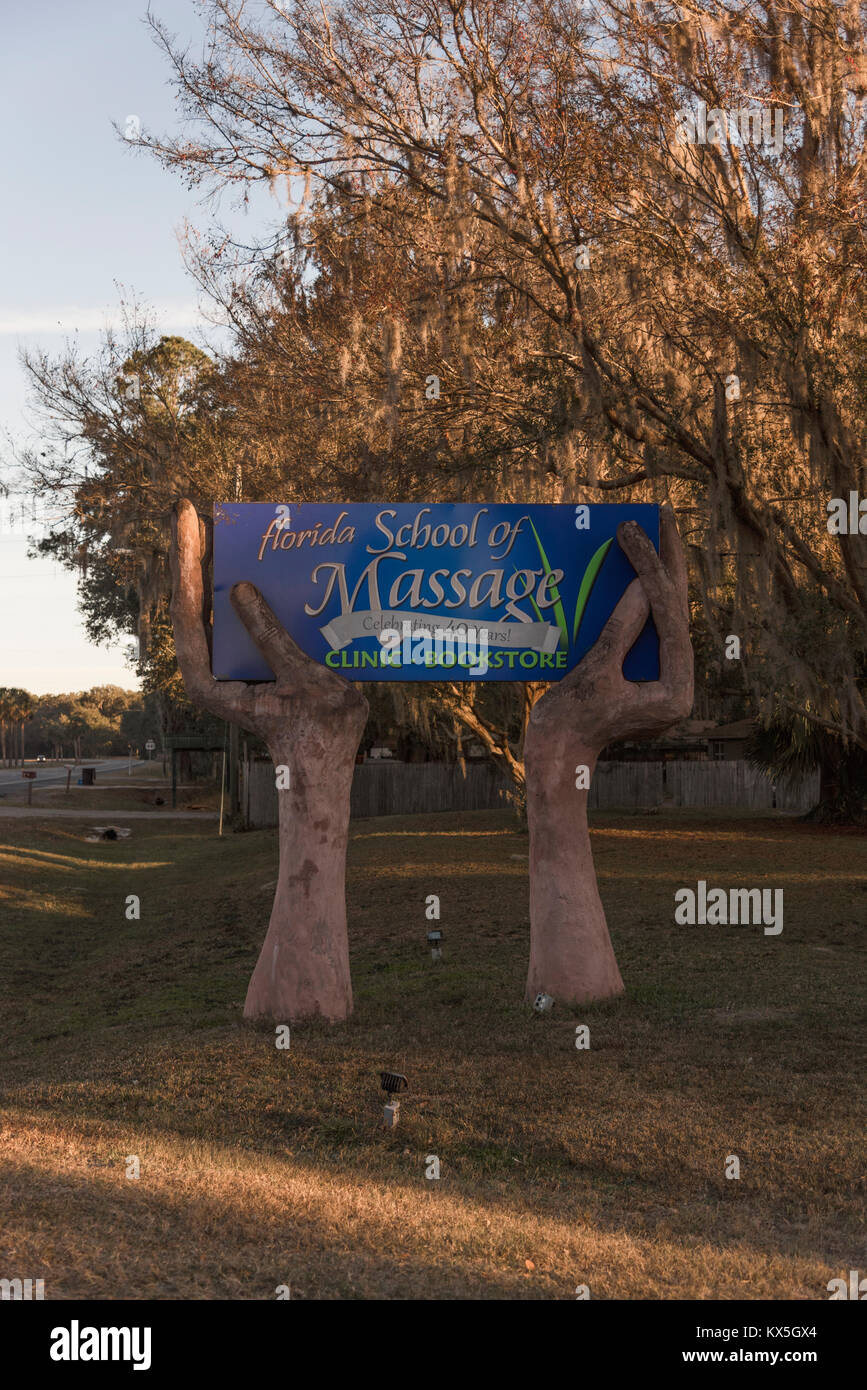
(434, 939)
(392, 1082)
(543, 1003)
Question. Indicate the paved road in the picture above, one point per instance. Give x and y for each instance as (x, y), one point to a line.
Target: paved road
(47, 776)
(11, 780)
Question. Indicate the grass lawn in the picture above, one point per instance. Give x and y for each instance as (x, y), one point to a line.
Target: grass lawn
(559, 1167)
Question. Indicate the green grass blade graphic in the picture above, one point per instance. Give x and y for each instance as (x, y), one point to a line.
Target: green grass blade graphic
(559, 611)
(536, 609)
(587, 583)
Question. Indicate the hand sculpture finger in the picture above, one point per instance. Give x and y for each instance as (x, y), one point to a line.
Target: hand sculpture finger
(599, 674)
(279, 650)
(623, 627)
(191, 643)
(648, 566)
(291, 666)
(668, 604)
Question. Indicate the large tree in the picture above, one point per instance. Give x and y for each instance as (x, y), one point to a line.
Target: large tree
(301, 415)
(699, 303)
(124, 433)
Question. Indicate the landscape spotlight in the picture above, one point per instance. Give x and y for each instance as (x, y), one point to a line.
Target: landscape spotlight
(392, 1082)
(543, 1003)
(434, 938)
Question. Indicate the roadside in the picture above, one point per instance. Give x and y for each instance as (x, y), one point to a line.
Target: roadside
(115, 792)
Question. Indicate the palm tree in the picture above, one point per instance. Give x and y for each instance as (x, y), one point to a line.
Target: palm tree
(789, 745)
(6, 708)
(16, 707)
(25, 710)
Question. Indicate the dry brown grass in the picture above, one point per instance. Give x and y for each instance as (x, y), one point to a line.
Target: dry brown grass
(261, 1167)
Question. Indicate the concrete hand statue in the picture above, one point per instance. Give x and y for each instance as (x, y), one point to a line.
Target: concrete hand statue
(311, 721)
(571, 957)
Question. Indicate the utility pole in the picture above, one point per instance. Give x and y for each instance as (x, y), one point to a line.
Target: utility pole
(234, 780)
(234, 731)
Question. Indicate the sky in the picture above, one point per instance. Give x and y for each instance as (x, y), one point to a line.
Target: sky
(83, 214)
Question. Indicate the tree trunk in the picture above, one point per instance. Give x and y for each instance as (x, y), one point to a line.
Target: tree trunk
(842, 788)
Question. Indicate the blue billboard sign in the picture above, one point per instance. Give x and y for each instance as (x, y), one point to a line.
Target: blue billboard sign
(446, 591)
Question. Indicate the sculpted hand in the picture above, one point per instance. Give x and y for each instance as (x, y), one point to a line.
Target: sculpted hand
(311, 720)
(571, 956)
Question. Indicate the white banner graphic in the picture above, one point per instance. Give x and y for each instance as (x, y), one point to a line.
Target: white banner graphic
(539, 637)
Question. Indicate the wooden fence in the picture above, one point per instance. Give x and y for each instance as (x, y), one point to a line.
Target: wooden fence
(401, 789)
(696, 784)
(736, 783)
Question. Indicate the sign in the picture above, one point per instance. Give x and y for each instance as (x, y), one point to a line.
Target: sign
(28, 773)
(447, 591)
(150, 745)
